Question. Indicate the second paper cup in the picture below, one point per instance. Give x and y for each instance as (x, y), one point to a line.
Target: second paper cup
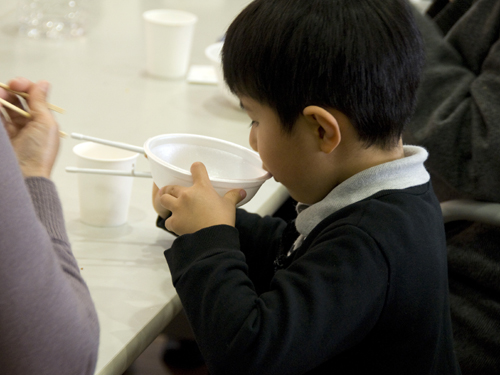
(169, 38)
(104, 199)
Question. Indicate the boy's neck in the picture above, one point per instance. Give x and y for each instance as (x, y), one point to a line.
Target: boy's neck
(357, 158)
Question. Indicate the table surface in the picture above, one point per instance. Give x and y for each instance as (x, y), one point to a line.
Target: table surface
(100, 81)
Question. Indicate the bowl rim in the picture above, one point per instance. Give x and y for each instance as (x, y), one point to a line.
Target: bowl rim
(211, 47)
(153, 16)
(187, 174)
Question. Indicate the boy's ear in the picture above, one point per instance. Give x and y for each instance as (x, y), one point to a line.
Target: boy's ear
(325, 126)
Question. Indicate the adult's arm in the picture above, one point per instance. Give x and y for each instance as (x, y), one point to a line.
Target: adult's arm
(458, 109)
(47, 318)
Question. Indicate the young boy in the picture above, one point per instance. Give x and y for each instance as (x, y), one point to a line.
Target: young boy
(357, 284)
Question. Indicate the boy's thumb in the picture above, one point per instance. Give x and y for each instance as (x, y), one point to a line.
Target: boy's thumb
(236, 195)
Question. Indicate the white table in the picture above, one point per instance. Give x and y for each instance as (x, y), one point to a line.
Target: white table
(101, 83)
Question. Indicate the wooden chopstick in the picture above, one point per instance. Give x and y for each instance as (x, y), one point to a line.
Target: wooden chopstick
(11, 106)
(26, 96)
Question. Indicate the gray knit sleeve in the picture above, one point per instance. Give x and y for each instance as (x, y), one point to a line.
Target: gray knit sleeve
(47, 318)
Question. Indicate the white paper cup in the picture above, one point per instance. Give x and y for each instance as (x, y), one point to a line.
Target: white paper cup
(169, 38)
(104, 200)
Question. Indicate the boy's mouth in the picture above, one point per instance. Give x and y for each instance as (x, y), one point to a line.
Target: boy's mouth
(267, 170)
(272, 176)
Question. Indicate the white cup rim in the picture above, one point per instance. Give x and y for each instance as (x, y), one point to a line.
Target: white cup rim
(77, 152)
(159, 16)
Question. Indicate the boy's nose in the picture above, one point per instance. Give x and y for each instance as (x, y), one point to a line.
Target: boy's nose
(253, 139)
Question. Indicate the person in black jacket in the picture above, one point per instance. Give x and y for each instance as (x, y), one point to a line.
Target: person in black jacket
(358, 282)
(457, 119)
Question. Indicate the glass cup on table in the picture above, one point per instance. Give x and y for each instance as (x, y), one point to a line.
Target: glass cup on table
(54, 19)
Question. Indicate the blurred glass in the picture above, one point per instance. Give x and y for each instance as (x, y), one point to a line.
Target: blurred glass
(54, 19)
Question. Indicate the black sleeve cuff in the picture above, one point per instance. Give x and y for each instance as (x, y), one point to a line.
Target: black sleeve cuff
(160, 223)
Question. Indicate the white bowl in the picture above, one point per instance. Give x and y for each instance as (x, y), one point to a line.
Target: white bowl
(213, 52)
(230, 166)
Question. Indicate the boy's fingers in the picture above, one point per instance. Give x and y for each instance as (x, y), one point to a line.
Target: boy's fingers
(162, 190)
(173, 190)
(167, 201)
(235, 195)
(199, 172)
(168, 225)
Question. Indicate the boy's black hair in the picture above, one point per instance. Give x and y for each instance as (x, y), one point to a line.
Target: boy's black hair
(361, 57)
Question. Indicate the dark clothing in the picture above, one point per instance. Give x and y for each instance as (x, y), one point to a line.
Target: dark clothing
(458, 108)
(365, 293)
(457, 120)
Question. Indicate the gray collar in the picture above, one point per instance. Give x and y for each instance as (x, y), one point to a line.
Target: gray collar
(398, 174)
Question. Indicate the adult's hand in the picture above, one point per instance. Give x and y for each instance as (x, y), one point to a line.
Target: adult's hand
(36, 140)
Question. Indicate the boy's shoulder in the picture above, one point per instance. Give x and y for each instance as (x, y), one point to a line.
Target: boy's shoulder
(401, 230)
(397, 217)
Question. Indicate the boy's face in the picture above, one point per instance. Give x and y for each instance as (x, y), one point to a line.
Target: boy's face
(288, 157)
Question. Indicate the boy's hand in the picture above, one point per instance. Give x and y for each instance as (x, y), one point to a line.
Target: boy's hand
(199, 206)
(157, 193)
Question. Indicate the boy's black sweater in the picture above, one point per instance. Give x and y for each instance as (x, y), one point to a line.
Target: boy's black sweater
(365, 293)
